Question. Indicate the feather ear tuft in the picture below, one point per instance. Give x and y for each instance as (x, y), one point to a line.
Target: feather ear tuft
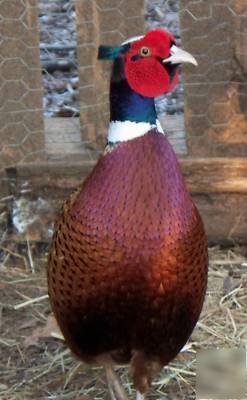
(111, 52)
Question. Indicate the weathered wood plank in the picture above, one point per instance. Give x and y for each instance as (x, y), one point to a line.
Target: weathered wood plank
(62, 135)
(62, 130)
(173, 123)
(203, 175)
(218, 186)
(224, 216)
(215, 175)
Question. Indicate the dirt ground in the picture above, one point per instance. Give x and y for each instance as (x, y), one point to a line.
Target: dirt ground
(35, 363)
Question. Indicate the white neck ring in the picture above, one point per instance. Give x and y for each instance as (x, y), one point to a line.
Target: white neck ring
(122, 131)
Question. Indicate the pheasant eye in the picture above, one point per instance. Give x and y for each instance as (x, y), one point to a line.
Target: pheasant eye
(145, 51)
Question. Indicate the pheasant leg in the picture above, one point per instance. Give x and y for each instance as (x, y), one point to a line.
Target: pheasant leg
(116, 390)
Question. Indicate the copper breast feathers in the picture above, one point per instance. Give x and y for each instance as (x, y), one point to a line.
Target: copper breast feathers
(128, 261)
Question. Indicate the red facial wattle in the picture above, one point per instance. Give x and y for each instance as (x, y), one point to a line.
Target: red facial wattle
(148, 76)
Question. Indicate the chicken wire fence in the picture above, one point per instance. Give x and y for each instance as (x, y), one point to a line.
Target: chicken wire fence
(58, 45)
(75, 85)
(20, 105)
(64, 35)
(49, 71)
(215, 95)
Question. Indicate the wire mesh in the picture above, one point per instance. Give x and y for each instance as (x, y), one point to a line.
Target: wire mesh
(20, 101)
(165, 14)
(215, 32)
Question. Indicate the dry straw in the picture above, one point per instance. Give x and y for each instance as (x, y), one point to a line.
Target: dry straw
(35, 363)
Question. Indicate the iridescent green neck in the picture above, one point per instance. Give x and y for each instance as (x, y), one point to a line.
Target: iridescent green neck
(125, 104)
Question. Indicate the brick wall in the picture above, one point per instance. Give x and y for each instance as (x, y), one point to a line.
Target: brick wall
(216, 91)
(101, 22)
(21, 115)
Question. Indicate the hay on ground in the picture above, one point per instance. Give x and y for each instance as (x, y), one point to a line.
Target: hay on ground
(35, 363)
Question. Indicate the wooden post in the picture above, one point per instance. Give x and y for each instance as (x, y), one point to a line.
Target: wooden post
(215, 91)
(21, 115)
(101, 22)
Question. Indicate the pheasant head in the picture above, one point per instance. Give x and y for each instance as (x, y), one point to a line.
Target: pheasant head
(150, 62)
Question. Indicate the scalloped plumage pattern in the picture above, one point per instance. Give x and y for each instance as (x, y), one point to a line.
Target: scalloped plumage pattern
(128, 262)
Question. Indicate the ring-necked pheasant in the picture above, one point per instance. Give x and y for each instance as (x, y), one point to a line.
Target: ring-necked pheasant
(128, 261)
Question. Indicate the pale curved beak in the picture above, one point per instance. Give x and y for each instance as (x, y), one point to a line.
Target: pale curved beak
(180, 56)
